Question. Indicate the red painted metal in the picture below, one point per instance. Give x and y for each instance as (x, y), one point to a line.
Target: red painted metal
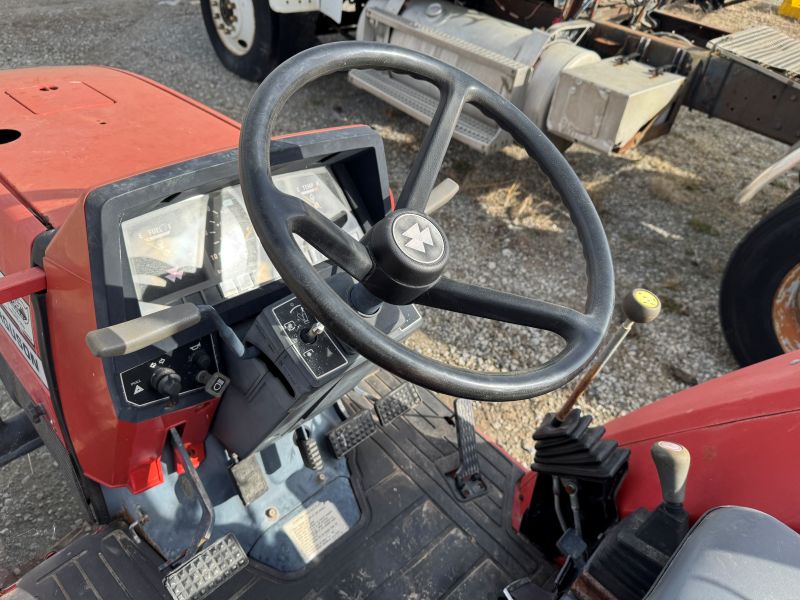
(82, 128)
(98, 126)
(523, 492)
(145, 127)
(21, 284)
(742, 432)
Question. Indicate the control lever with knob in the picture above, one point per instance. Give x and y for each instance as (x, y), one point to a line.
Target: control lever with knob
(639, 306)
(310, 334)
(667, 525)
(167, 382)
(672, 463)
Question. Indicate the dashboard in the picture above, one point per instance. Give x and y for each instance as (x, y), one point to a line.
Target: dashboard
(181, 234)
(207, 240)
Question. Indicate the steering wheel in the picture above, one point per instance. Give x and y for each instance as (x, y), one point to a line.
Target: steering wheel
(402, 258)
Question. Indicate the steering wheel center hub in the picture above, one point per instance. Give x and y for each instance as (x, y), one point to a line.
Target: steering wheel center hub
(418, 238)
(410, 252)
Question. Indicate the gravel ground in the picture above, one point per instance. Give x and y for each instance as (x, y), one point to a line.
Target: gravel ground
(667, 208)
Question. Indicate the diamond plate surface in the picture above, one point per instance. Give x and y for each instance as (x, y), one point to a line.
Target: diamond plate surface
(207, 570)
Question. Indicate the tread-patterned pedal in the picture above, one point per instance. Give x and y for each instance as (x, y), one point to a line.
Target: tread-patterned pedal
(343, 438)
(206, 570)
(397, 402)
(468, 475)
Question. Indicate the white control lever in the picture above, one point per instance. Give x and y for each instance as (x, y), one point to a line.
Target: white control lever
(441, 195)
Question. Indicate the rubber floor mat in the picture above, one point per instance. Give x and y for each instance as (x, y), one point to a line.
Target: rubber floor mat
(416, 538)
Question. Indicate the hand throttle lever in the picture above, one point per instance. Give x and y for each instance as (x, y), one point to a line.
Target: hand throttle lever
(639, 306)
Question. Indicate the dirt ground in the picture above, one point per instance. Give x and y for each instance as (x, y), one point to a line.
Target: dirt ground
(667, 207)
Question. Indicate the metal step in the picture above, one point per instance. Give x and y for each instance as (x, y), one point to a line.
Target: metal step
(207, 570)
(17, 437)
(473, 132)
(764, 46)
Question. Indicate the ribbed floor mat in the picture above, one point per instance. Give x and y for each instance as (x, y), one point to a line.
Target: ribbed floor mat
(415, 539)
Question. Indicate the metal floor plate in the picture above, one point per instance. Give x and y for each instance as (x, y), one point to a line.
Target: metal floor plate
(764, 46)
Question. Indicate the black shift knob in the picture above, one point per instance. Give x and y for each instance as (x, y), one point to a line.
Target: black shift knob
(672, 463)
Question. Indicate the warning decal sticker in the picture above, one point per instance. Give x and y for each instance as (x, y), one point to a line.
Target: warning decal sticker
(316, 528)
(16, 322)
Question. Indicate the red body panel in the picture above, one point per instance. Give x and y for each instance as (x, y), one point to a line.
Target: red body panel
(743, 432)
(84, 127)
(97, 126)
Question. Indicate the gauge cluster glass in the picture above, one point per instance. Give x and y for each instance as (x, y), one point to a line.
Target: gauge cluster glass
(208, 240)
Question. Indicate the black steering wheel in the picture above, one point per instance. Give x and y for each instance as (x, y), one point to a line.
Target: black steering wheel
(402, 258)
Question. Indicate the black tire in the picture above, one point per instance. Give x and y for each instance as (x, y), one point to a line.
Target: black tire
(755, 270)
(277, 37)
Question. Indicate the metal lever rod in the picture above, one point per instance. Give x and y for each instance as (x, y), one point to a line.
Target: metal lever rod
(203, 532)
(639, 306)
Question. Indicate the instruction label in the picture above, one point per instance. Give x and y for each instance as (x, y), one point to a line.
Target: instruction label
(15, 319)
(316, 528)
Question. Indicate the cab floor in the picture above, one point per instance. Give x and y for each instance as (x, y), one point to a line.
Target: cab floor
(416, 538)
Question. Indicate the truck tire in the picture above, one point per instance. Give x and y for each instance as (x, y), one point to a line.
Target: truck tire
(250, 39)
(759, 299)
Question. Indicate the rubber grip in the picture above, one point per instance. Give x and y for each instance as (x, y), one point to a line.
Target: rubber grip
(133, 335)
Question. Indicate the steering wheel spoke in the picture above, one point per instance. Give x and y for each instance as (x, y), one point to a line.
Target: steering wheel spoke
(422, 176)
(477, 301)
(332, 241)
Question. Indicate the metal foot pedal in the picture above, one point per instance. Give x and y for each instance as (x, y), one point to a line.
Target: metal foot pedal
(207, 570)
(469, 482)
(396, 403)
(250, 479)
(343, 438)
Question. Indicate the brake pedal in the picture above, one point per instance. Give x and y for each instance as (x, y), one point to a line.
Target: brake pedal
(469, 482)
(207, 570)
(397, 402)
(358, 428)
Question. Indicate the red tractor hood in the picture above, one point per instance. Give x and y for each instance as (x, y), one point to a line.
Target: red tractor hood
(82, 127)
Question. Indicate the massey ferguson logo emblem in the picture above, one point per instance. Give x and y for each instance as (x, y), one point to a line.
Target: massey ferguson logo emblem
(418, 238)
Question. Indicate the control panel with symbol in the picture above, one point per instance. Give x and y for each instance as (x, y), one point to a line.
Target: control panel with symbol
(317, 350)
(188, 368)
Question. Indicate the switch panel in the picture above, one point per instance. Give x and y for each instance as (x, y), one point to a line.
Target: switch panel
(187, 361)
(321, 356)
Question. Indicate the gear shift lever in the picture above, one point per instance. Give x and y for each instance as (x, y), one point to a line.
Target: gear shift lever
(665, 527)
(672, 463)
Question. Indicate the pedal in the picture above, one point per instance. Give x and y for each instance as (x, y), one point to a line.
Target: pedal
(207, 570)
(250, 479)
(343, 438)
(469, 482)
(396, 403)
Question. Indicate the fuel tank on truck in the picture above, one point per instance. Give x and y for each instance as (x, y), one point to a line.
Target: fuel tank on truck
(563, 87)
(523, 65)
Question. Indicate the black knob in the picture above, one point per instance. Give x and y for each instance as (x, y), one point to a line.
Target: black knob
(202, 359)
(166, 382)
